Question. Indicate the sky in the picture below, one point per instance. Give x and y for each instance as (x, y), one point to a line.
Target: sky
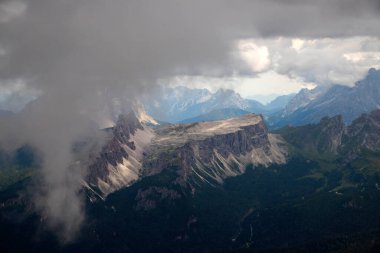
(75, 56)
(252, 46)
(280, 65)
(267, 83)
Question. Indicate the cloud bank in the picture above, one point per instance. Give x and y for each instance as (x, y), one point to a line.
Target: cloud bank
(323, 61)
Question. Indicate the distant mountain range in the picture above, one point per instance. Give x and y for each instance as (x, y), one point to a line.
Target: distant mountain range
(218, 114)
(182, 104)
(279, 103)
(309, 106)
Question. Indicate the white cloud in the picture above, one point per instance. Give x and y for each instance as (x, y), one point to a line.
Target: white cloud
(257, 57)
(10, 10)
(266, 83)
(15, 94)
(285, 65)
(297, 44)
(322, 61)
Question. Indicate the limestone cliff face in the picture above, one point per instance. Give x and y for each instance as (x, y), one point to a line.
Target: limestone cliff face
(118, 164)
(209, 152)
(206, 152)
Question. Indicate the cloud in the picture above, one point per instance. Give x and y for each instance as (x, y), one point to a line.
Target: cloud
(10, 10)
(257, 57)
(79, 55)
(324, 61)
(14, 95)
(284, 65)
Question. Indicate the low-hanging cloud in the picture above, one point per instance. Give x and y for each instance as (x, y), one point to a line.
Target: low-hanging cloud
(77, 54)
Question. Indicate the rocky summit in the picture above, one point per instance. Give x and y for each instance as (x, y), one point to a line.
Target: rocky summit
(205, 152)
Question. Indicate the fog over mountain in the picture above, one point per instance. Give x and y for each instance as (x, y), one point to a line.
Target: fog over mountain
(76, 56)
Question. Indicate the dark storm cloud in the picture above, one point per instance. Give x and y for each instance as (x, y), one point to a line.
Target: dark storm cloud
(79, 53)
(144, 38)
(321, 18)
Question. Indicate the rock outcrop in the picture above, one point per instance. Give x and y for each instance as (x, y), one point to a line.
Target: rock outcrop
(332, 136)
(118, 164)
(324, 137)
(206, 152)
(363, 133)
(209, 152)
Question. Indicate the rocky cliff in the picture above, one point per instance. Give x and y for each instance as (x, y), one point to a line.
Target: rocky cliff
(324, 137)
(363, 133)
(332, 136)
(206, 152)
(209, 152)
(118, 164)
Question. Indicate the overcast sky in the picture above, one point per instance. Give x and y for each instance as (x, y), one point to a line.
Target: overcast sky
(252, 46)
(283, 65)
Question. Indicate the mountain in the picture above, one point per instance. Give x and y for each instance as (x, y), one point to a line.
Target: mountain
(264, 98)
(303, 98)
(135, 149)
(169, 103)
(17, 165)
(218, 114)
(209, 152)
(220, 186)
(279, 102)
(180, 103)
(363, 134)
(309, 106)
(332, 136)
(324, 137)
(119, 162)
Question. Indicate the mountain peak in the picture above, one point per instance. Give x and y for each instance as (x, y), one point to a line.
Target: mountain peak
(142, 116)
(373, 71)
(351, 102)
(224, 91)
(373, 74)
(181, 103)
(324, 137)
